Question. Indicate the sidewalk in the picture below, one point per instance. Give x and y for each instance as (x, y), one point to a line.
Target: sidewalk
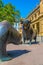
(25, 54)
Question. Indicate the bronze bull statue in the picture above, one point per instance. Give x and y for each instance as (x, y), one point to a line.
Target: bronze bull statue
(8, 34)
(28, 32)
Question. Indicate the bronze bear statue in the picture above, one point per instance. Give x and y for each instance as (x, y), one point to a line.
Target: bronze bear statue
(8, 34)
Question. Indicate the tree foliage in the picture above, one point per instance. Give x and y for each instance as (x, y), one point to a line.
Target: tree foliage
(8, 12)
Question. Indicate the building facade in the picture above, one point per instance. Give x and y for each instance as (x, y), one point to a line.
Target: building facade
(36, 18)
(18, 27)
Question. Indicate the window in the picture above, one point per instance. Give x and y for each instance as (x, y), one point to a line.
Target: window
(33, 26)
(37, 27)
(35, 15)
(38, 12)
(32, 17)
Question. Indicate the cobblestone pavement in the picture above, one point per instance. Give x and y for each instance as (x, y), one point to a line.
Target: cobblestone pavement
(25, 54)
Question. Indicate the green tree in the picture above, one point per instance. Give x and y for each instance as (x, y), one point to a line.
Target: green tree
(1, 3)
(1, 9)
(9, 12)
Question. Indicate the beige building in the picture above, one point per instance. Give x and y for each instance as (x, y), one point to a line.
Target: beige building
(36, 18)
(20, 28)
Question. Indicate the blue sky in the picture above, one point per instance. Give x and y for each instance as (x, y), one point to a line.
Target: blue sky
(24, 6)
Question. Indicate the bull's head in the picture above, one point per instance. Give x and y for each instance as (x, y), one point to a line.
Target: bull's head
(26, 24)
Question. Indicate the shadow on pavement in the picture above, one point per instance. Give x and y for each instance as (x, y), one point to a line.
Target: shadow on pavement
(16, 53)
(34, 42)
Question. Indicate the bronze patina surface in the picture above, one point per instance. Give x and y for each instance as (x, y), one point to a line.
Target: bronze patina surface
(8, 34)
